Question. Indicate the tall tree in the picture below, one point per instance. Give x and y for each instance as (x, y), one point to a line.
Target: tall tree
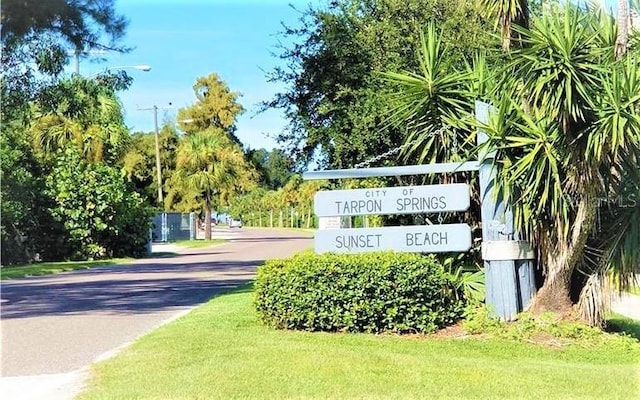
(140, 167)
(83, 112)
(335, 101)
(216, 107)
(508, 13)
(274, 167)
(209, 165)
(37, 36)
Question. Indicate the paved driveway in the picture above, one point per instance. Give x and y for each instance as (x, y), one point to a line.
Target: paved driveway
(62, 323)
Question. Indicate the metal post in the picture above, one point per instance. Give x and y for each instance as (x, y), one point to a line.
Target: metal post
(497, 224)
(192, 226)
(158, 165)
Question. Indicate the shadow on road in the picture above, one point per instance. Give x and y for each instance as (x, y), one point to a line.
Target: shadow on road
(132, 288)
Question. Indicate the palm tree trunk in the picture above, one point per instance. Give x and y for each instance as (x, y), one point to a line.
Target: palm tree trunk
(622, 41)
(207, 218)
(561, 257)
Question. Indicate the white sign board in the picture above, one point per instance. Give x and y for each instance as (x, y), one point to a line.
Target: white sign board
(393, 200)
(412, 239)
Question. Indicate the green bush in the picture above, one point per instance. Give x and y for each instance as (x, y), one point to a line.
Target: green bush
(102, 215)
(373, 292)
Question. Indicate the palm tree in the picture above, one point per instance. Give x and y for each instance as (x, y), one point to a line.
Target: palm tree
(507, 14)
(622, 41)
(208, 164)
(83, 113)
(566, 128)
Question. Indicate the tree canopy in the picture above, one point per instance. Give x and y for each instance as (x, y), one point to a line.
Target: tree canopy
(335, 101)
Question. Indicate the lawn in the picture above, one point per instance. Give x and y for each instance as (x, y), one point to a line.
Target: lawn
(48, 268)
(220, 351)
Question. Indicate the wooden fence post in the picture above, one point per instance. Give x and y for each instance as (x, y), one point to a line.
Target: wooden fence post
(497, 225)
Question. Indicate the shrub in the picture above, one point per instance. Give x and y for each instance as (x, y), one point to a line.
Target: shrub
(102, 215)
(373, 292)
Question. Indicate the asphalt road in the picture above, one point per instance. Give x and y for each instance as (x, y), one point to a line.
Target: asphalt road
(62, 323)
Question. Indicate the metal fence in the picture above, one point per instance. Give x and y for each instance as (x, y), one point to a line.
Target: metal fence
(169, 227)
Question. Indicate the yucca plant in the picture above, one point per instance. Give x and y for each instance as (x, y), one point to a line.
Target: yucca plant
(566, 127)
(565, 141)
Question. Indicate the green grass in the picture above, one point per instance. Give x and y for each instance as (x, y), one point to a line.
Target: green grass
(48, 268)
(220, 351)
(635, 290)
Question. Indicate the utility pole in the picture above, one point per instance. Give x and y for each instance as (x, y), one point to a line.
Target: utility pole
(158, 164)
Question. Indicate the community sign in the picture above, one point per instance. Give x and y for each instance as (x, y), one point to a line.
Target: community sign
(392, 200)
(411, 239)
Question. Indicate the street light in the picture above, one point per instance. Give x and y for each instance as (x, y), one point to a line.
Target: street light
(140, 67)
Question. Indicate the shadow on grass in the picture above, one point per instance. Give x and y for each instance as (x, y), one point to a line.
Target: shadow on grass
(620, 324)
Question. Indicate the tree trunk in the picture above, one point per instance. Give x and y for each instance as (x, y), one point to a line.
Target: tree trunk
(561, 254)
(554, 294)
(207, 218)
(622, 41)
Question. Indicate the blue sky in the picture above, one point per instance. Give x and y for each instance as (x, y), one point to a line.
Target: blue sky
(185, 39)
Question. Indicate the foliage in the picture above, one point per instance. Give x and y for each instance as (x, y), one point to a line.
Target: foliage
(373, 292)
(274, 167)
(546, 328)
(36, 37)
(83, 112)
(216, 107)
(566, 126)
(102, 216)
(336, 99)
(576, 140)
(210, 166)
(289, 206)
(139, 163)
(27, 230)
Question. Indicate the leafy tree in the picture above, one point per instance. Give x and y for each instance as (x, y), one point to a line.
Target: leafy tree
(216, 107)
(82, 112)
(27, 230)
(140, 166)
(274, 168)
(36, 37)
(337, 102)
(102, 216)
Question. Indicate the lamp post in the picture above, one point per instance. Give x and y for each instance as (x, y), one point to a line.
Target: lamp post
(140, 67)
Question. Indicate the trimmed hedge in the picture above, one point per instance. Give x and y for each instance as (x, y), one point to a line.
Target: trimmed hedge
(372, 292)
